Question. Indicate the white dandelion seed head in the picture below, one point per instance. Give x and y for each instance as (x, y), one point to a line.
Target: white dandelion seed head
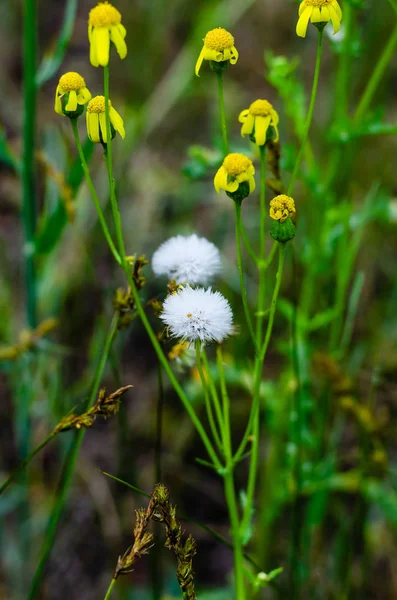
(198, 314)
(189, 259)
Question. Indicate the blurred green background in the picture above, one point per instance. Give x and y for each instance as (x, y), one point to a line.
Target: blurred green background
(344, 253)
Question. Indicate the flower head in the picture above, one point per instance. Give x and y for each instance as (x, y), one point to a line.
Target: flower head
(282, 207)
(198, 314)
(71, 95)
(260, 122)
(190, 259)
(218, 47)
(318, 11)
(236, 176)
(96, 121)
(104, 26)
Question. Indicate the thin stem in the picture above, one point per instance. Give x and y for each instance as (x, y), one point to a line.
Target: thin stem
(25, 462)
(213, 390)
(248, 245)
(110, 588)
(208, 406)
(262, 250)
(238, 555)
(376, 77)
(256, 396)
(28, 173)
(237, 206)
(69, 465)
(225, 403)
(91, 187)
(309, 114)
(109, 164)
(219, 75)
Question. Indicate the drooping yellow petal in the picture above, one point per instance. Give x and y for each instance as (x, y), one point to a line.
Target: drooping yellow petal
(118, 41)
(243, 115)
(261, 127)
(232, 186)
(93, 127)
(277, 133)
(325, 16)
(252, 184)
(93, 50)
(84, 96)
(199, 62)
(117, 121)
(58, 102)
(102, 125)
(122, 30)
(102, 45)
(220, 179)
(302, 7)
(334, 18)
(90, 33)
(303, 22)
(72, 102)
(234, 55)
(337, 8)
(248, 125)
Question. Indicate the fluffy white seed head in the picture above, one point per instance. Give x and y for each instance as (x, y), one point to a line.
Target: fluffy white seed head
(198, 314)
(189, 259)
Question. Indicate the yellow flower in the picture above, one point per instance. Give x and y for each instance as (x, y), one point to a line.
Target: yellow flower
(318, 11)
(96, 121)
(237, 171)
(256, 121)
(282, 207)
(104, 26)
(71, 93)
(219, 47)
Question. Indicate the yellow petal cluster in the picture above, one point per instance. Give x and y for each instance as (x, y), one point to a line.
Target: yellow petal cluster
(236, 169)
(282, 207)
(256, 121)
(218, 46)
(318, 11)
(104, 26)
(96, 120)
(72, 84)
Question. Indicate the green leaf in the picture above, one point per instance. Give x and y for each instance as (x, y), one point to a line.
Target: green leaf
(53, 59)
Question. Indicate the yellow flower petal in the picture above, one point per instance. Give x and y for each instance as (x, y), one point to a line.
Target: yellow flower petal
(84, 96)
(102, 39)
(93, 50)
(102, 125)
(316, 17)
(58, 103)
(118, 41)
(243, 115)
(277, 133)
(261, 127)
(252, 184)
(337, 8)
(234, 55)
(334, 18)
(72, 102)
(303, 22)
(220, 179)
(302, 7)
(93, 127)
(122, 30)
(199, 62)
(325, 16)
(232, 186)
(248, 125)
(117, 121)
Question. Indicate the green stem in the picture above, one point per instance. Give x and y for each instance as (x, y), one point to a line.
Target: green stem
(110, 588)
(256, 396)
(238, 554)
(376, 77)
(26, 461)
(227, 443)
(91, 187)
(208, 406)
(213, 390)
(237, 206)
(309, 114)
(68, 469)
(248, 245)
(28, 171)
(262, 250)
(109, 164)
(219, 75)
